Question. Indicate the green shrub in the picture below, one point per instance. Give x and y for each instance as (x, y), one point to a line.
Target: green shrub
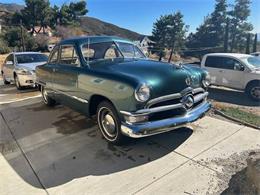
(4, 47)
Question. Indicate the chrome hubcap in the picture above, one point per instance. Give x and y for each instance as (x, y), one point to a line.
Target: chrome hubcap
(108, 124)
(255, 92)
(44, 94)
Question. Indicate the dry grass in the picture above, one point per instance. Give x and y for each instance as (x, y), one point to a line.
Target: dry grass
(2, 59)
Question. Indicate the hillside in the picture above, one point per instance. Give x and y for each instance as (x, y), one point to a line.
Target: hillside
(10, 7)
(91, 26)
(95, 26)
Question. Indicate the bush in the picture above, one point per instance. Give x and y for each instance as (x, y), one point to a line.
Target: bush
(4, 47)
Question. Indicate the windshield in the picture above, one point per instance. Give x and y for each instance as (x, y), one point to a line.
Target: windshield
(30, 58)
(130, 51)
(254, 62)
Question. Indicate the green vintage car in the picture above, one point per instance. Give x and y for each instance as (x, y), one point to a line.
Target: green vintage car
(130, 95)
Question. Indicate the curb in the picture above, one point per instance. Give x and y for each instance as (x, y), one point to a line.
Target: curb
(234, 119)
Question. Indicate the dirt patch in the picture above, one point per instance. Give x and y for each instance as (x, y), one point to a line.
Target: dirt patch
(240, 173)
(246, 181)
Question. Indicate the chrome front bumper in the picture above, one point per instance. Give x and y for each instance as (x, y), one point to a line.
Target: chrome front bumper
(160, 126)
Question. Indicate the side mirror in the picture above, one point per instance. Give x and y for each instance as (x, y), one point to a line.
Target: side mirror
(9, 63)
(239, 67)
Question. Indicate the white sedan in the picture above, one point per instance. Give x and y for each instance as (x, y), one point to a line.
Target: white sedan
(19, 67)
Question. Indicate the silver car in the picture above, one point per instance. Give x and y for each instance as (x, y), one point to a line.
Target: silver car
(19, 67)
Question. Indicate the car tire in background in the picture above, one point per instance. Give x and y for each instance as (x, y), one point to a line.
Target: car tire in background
(109, 123)
(253, 90)
(46, 99)
(5, 81)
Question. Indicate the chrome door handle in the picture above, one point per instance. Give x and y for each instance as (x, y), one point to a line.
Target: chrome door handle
(221, 70)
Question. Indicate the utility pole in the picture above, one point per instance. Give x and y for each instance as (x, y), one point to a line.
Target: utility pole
(22, 37)
(226, 36)
(248, 41)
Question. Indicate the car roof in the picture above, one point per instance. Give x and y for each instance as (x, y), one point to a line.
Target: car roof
(236, 55)
(93, 39)
(26, 52)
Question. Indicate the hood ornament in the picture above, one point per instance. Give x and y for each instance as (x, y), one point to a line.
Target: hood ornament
(188, 81)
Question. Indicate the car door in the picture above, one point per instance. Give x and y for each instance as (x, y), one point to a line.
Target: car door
(65, 79)
(213, 64)
(9, 67)
(232, 74)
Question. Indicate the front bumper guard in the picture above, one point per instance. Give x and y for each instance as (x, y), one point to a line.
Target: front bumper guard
(160, 126)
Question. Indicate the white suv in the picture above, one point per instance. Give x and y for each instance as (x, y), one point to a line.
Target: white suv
(238, 71)
(19, 67)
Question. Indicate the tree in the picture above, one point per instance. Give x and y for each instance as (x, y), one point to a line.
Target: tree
(176, 30)
(35, 13)
(13, 38)
(239, 27)
(159, 34)
(211, 32)
(68, 14)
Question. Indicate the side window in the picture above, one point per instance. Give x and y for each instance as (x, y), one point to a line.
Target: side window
(88, 53)
(69, 56)
(110, 53)
(214, 62)
(54, 55)
(231, 64)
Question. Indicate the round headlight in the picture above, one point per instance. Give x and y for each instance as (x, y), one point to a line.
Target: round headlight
(142, 94)
(206, 80)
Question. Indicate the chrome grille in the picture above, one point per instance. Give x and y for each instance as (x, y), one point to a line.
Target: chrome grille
(199, 94)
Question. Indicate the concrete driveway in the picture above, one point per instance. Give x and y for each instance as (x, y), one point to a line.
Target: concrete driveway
(59, 151)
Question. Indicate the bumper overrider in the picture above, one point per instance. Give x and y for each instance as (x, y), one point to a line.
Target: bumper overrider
(193, 101)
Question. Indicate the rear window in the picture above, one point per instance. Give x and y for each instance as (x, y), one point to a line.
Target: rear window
(30, 58)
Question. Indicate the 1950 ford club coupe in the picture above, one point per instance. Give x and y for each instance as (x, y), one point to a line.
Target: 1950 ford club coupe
(130, 95)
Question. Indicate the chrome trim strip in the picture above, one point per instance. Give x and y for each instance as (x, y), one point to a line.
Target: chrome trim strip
(147, 111)
(156, 127)
(79, 99)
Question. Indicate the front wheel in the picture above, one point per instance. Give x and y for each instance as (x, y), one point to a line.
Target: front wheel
(4, 79)
(46, 99)
(17, 83)
(253, 91)
(109, 123)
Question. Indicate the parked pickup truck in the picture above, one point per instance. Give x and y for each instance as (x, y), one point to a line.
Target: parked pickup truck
(238, 71)
(130, 95)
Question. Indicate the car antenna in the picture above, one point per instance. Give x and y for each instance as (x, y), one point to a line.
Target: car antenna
(88, 52)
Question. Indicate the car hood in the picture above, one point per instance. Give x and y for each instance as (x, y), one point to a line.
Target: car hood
(30, 66)
(164, 78)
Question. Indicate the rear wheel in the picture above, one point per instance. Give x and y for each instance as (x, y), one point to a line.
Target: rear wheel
(46, 99)
(253, 91)
(109, 123)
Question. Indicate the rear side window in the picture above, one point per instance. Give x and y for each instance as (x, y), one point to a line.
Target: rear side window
(54, 55)
(69, 56)
(10, 58)
(221, 62)
(214, 62)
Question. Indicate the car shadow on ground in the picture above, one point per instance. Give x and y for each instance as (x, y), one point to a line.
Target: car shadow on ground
(231, 96)
(63, 145)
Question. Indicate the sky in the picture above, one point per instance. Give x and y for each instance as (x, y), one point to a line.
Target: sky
(139, 15)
